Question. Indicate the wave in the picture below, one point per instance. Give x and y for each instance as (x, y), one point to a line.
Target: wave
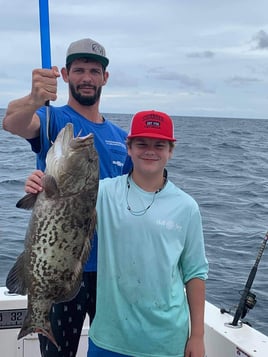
(222, 163)
(12, 182)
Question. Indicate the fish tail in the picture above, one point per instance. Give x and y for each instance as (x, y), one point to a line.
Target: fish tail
(28, 327)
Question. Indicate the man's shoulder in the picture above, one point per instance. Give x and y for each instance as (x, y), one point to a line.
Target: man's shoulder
(113, 125)
(55, 113)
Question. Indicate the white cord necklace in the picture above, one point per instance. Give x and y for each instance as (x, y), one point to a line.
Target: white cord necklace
(144, 210)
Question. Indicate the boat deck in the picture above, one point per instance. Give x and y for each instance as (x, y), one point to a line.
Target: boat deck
(221, 339)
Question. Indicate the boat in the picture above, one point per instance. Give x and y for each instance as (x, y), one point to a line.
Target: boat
(222, 339)
(225, 335)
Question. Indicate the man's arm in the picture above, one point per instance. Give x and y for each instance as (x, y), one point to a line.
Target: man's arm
(20, 118)
(195, 290)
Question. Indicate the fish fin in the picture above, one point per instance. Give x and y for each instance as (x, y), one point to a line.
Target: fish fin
(15, 281)
(28, 328)
(50, 186)
(27, 202)
(71, 294)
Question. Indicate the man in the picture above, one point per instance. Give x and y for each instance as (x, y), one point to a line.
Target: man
(85, 73)
(151, 258)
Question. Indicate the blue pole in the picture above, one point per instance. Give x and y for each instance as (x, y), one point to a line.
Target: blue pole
(44, 33)
(45, 49)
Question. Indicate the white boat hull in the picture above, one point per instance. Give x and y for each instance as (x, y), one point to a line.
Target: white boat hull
(221, 339)
(224, 340)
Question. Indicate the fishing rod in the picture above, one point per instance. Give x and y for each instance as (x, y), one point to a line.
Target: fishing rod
(45, 46)
(247, 300)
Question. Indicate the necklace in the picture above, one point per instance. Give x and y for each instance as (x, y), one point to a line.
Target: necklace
(144, 210)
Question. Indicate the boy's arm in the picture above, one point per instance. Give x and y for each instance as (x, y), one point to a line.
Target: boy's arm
(33, 183)
(195, 290)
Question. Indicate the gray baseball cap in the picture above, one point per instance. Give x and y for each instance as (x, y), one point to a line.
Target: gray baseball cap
(87, 48)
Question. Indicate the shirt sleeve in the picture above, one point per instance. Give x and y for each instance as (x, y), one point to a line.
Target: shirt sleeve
(193, 260)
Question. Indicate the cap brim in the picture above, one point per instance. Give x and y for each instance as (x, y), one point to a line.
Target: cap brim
(103, 60)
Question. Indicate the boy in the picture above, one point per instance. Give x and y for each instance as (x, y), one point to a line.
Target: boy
(151, 258)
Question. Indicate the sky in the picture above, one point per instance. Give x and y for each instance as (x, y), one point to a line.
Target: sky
(184, 57)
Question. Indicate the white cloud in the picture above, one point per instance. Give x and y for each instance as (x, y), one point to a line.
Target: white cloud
(185, 57)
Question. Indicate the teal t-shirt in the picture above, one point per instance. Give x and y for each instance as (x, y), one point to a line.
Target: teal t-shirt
(143, 264)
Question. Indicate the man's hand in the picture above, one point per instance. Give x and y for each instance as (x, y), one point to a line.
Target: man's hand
(44, 85)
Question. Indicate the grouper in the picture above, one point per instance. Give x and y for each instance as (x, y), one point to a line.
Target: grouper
(57, 241)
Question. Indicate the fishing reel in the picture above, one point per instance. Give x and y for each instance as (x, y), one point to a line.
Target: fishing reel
(250, 302)
(247, 303)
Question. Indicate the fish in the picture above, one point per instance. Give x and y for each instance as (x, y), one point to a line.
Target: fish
(58, 237)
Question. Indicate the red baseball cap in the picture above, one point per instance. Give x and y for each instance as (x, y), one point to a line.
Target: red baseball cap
(152, 124)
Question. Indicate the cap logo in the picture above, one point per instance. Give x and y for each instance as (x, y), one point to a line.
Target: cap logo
(153, 117)
(153, 124)
(98, 49)
(153, 121)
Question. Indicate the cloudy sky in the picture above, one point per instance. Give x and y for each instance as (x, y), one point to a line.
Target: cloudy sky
(185, 57)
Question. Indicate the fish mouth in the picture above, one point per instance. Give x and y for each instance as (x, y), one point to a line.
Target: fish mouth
(67, 140)
(65, 146)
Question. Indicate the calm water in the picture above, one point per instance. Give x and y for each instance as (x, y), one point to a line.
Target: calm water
(222, 163)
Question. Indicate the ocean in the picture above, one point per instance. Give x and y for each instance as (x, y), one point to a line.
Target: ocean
(222, 163)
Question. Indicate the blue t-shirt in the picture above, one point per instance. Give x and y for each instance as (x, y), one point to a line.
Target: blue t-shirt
(109, 141)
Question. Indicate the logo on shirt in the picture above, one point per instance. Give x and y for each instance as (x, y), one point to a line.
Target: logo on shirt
(169, 225)
(118, 163)
(115, 143)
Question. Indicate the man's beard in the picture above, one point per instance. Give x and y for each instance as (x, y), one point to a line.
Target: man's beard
(85, 100)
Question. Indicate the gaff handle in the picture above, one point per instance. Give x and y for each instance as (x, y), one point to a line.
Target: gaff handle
(44, 33)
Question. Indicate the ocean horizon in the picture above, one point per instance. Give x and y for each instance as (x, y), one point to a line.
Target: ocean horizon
(221, 162)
